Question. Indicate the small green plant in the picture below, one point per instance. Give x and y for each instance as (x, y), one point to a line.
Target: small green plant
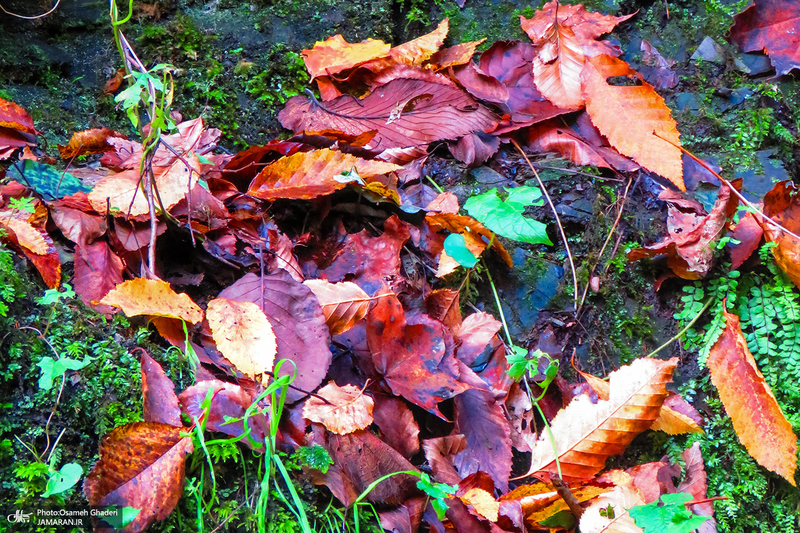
(505, 217)
(667, 515)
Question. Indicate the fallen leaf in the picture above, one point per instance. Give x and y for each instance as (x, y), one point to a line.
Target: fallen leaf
(411, 357)
(404, 113)
(92, 141)
(677, 417)
(748, 232)
(152, 297)
(419, 50)
(244, 336)
(160, 404)
(620, 499)
(690, 251)
(306, 175)
(757, 418)
(483, 423)
(629, 116)
(97, 270)
(335, 55)
(586, 434)
(15, 117)
(557, 67)
(770, 26)
(343, 303)
(694, 483)
(346, 410)
(483, 503)
(458, 54)
(396, 422)
(141, 465)
(782, 204)
(475, 333)
(297, 321)
(439, 452)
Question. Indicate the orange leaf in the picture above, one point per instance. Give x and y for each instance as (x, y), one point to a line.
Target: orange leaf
(540, 501)
(630, 115)
(307, 175)
(94, 141)
(459, 54)
(335, 55)
(343, 304)
(620, 499)
(141, 465)
(586, 434)
(782, 204)
(748, 400)
(27, 236)
(483, 503)
(15, 117)
(243, 335)
(419, 50)
(463, 224)
(557, 67)
(348, 408)
(152, 297)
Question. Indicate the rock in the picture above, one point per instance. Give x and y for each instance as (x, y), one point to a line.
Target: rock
(709, 50)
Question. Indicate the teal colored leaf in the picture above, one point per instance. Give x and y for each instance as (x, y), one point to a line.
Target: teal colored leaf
(505, 217)
(456, 247)
(316, 457)
(55, 368)
(45, 179)
(64, 479)
(670, 515)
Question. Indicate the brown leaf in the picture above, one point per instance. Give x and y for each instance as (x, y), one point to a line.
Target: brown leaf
(440, 452)
(465, 225)
(396, 422)
(97, 271)
(757, 418)
(141, 465)
(475, 148)
(228, 401)
(483, 504)
(94, 141)
(244, 336)
(297, 321)
(152, 297)
(690, 251)
(306, 175)
(557, 67)
(335, 55)
(629, 116)
(412, 357)
(453, 56)
(541, 501)
(771, 26)
(586, 434)
(587, 26)
(404, 113)
(160, 404)
(782, 204)
(347, 409)
(26, 235)
(343, 303)
(481, 420)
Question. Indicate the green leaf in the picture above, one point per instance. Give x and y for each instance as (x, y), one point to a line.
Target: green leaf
(45, 179)
(506, 217)
(456, 247)
(118, 517)
(437, 492)
(518, 362)
(64, 479)
(55, 368)
(316, 457)
(670, 515)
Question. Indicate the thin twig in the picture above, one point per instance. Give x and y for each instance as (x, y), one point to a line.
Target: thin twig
(558, 221)
(684, 330)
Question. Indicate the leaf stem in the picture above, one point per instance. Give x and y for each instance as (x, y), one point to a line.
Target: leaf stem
(686, 328)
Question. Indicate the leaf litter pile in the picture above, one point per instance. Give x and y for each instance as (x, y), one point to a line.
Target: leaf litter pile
(384, 371)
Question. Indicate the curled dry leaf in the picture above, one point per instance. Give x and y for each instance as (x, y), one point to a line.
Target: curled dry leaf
(630, 116)
(347, 408)
(439, 452)
(141, 465)
(782, 204)
(306, 175)
(94, 141)
(244, 336)
(343, 303)
(586, 434)
(152, 297)
(748, 400)
(335, 55)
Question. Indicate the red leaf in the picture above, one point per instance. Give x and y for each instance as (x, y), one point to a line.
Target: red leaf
(160, 404)
(748, 232)
(694, 482)
(440, 452)
(772, 26)
(97, 271)
(782, 204)
(15, 117)
(298, 323)
(413, 358)
(404, 113)
(141, 465)
(475, 334)
(396, 422)
(482, 421)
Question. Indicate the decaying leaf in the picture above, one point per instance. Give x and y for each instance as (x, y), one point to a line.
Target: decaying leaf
(483, 503)
(782, 204)
(630, 116)
(94, 141)
(152, 297)
(306, 175)
(541, 503)
(772, 26)
(598, 519)
(343, 303)
(347, 408)
(748, 400)
(141, 465)
(557, 67)
(159, 401)
(244, 336)
(586, 434)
